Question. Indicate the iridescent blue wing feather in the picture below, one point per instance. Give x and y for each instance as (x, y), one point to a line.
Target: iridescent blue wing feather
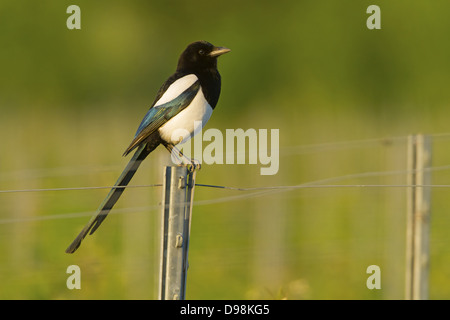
(158, 115)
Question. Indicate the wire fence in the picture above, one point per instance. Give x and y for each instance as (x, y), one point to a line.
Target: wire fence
(313, 249)
(251, 192)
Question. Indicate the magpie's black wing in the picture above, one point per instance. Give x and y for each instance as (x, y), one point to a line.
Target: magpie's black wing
(158, 115)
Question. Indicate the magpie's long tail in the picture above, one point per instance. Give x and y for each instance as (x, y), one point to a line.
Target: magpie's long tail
(113, 195)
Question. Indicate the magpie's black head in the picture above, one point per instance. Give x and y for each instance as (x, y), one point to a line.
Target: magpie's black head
(200, 55)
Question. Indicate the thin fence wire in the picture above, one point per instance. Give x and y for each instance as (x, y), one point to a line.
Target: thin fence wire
(251, 192)
(78, 188)
(311, 184)
(255, 192)
(284, 151)
(322, 147)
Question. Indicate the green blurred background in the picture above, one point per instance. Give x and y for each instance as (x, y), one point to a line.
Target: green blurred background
(343, 97)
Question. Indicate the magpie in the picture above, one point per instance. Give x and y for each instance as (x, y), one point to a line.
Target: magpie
(186, 99)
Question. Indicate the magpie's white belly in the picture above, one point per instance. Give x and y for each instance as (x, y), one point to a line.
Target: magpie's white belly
(188, 122)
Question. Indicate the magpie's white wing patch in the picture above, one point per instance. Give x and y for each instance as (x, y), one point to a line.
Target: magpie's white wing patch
(186, 123)
(176, 88)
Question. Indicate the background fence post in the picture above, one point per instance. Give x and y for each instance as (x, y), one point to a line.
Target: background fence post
(178, 194)
(418, 217)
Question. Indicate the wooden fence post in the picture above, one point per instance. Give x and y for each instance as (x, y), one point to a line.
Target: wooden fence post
(418, 217)
(178, 195)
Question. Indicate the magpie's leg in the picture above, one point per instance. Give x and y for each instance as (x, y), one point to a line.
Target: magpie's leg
(195, 164)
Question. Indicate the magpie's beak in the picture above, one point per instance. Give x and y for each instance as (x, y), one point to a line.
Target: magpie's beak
(218, 51)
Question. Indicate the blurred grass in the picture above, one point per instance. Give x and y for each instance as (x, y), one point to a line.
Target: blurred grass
(70, 102)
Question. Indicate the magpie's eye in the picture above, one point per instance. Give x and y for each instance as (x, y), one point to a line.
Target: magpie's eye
(201, 52)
